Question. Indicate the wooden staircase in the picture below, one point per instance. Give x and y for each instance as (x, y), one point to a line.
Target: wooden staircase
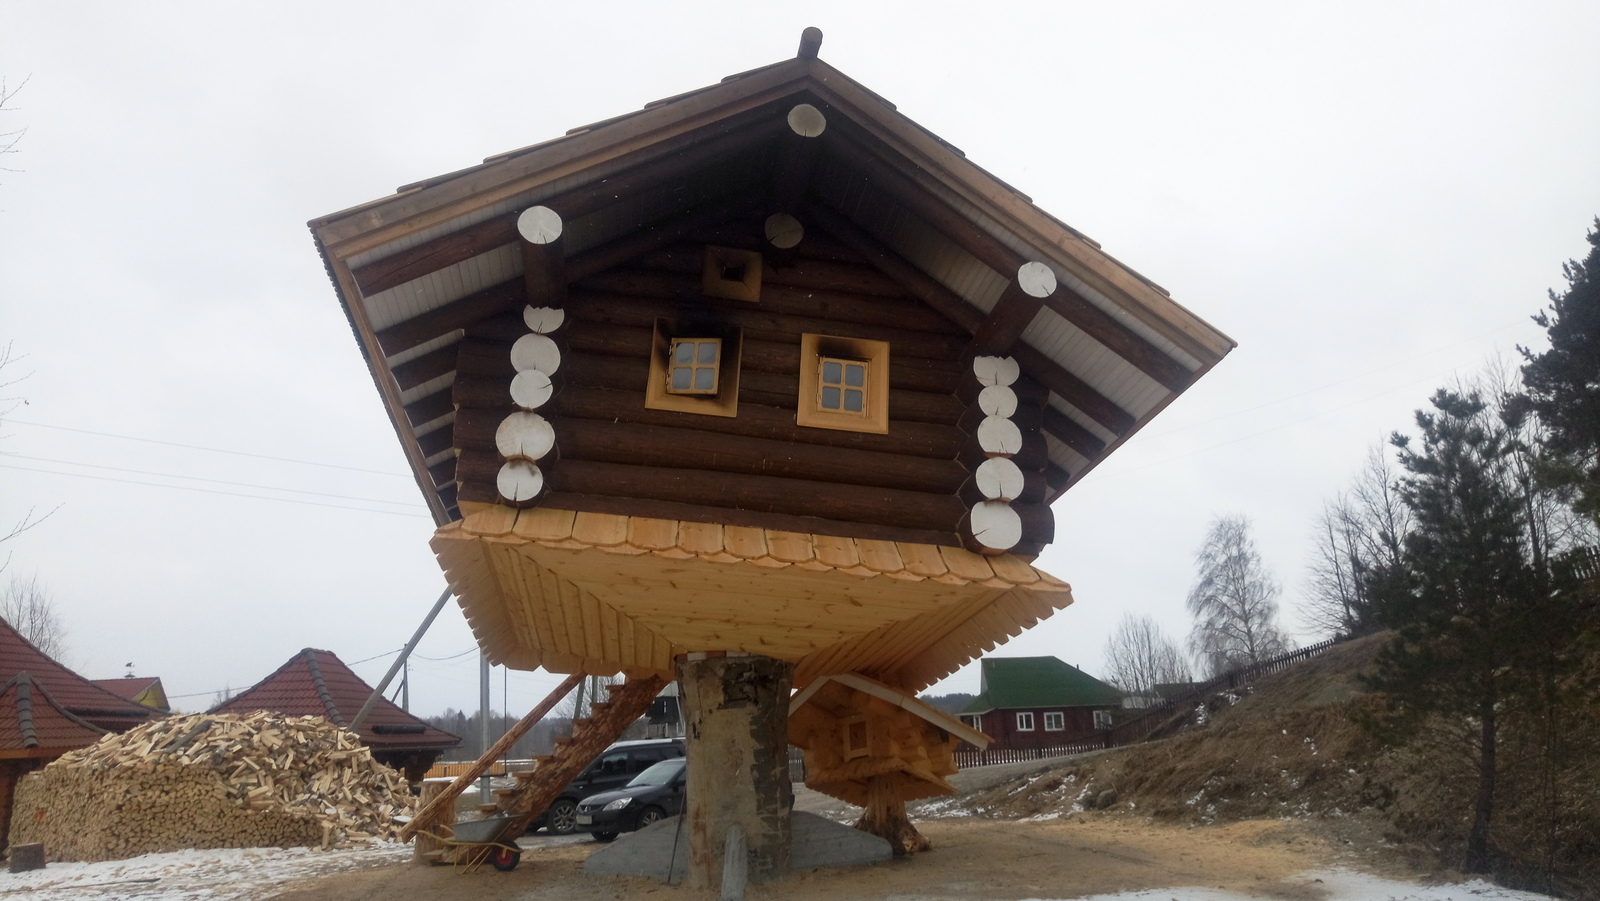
(535, 789)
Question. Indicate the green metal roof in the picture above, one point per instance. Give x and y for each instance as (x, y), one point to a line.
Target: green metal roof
(1029, 683)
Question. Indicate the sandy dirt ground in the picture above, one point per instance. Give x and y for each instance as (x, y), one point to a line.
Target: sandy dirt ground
(1084, 855)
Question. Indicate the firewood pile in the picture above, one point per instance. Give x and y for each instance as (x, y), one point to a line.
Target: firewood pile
(210, 781)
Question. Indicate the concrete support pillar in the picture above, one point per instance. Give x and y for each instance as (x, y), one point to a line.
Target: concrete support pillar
(736, 710)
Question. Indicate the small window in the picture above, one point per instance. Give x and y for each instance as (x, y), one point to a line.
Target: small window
(844, 384)
(855, 737)
(975, 721)
(694, 364)
(1025, 722)
(732, 274)
(1054, 721)
(1102, 719)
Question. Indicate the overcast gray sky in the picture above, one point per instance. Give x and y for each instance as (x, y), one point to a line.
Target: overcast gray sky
(1370, 198)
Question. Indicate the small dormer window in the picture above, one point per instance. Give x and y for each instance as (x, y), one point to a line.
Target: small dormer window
(842, 385)
(732, 274)
(694, 366)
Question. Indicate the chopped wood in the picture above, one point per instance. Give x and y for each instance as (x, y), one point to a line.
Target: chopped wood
(211, 781)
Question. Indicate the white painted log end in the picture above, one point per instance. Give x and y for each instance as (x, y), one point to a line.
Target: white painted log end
(531, 389)
(1000, 371)
(543, 320)
(519, 481)
(539, 225)
(535, 352)
(998, 400)
(807, 121)
(998, 436)
(1036, 279)
(999, 479)
(524, 434)
(995, 525)
(784, 231)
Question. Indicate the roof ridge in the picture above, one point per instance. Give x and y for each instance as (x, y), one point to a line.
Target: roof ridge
(310, 654)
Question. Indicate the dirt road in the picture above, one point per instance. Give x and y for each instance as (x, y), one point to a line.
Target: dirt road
(1083, 855)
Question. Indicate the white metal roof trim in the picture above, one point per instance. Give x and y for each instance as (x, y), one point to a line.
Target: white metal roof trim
(413, 239)
(427, 347)
(436, 289)
(1081, 418)
(1102, 369)
(448, 453)
(431, 386)
(1061, 455)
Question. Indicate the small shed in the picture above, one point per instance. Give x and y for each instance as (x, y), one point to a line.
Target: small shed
(1039, 702)
(47, 710)
(318, 683)
(144, 690)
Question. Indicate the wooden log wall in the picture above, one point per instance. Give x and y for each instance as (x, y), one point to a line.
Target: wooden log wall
(611, 454)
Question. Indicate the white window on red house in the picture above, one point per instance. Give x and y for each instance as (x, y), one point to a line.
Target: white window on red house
(1055, 721)
(1102, 719)
(975, 721)
(1025, 722)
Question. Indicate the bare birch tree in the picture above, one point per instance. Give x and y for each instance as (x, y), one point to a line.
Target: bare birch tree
(1139, 656)
(1358, 533)
(27, 607)
(1234, 600)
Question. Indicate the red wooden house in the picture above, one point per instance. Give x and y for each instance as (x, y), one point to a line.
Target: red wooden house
(1039, 702)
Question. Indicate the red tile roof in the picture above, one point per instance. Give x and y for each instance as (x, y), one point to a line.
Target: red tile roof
(33, 724)
(69, 690)
(317, 683)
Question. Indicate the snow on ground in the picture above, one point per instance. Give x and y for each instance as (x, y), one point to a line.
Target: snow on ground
(224, 874)
(1344, 885)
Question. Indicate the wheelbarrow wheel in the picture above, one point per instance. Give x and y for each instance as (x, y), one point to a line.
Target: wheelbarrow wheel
(504, 859)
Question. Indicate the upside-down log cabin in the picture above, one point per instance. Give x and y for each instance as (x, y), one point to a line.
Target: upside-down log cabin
(318, 683)
(47, 710)
(759, 384)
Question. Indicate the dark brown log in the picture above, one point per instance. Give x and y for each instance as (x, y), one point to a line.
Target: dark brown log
(475, 428)
(797, 157)
(427, 409)
(425, 368)
(623, 249)
(1011, 315)
(652, 445)
(1073, 390)
(1057, 478)
(810, 43)
(1061, 427)
(431, 256)
(813, 525)
(766, 494)
(485, 359)
(443, 472)
(1038, 523)
(456, 314)
(544, 273)
(433, 442)
(914, 280)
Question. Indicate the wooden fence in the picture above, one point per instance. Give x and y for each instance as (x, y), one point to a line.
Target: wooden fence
(1137, 729)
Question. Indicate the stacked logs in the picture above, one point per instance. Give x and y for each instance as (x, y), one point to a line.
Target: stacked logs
(210, 781)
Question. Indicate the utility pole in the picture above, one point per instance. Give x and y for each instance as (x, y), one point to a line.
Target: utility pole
(483, 716)
(405, 687)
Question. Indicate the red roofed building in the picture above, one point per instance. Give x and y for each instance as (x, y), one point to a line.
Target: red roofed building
(318, 683)
(146, 691)
(47, 710)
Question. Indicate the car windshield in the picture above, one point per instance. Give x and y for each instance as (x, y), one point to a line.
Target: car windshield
(660, 773)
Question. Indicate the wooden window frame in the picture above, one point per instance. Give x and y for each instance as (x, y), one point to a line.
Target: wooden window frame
(694, 365)
(715, 283)
(725, 402)
(1103, 715)
(1029, 715)
(874, 354)
(1060, 720)
(848, 726)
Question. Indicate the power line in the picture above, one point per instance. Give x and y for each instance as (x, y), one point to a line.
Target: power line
(168, 475)
(471, 650)
(281, 500)
(213, 450)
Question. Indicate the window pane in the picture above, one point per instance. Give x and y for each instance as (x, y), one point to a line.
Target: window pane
(830, 398)
(831, 374)
(705, 379)
(853, 400)
(680, 378)
(683, 353)
(855, 375)
(708, 353)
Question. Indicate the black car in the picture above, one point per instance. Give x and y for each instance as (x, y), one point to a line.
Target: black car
(655, 794)
(612, 769)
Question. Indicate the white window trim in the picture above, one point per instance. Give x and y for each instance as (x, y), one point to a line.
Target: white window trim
(1029, 720)
(1060, 719)
(1104, 715)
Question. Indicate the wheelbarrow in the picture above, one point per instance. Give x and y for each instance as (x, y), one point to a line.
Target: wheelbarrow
(476, 841)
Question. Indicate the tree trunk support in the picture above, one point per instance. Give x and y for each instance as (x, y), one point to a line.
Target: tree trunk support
(736, 709)
(886, 818)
